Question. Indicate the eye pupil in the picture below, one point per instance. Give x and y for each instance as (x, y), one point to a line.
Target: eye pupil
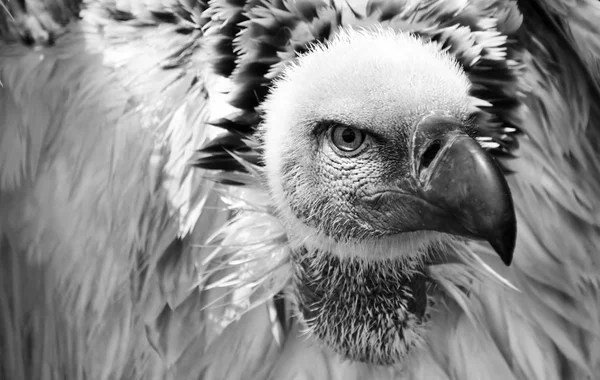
(348, 135)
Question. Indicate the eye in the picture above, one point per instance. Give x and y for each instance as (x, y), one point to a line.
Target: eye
(346, 139)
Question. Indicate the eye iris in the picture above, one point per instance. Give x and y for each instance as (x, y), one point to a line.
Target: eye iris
(348, 135)
(347, 139)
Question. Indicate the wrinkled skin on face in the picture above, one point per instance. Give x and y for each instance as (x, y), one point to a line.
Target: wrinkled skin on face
(343, 185)
(368, 157)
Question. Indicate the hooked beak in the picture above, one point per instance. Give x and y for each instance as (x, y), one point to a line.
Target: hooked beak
(457, 188)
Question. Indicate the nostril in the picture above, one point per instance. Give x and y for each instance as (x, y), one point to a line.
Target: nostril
(429, 154)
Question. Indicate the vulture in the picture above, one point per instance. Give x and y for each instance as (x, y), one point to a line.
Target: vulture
(299, 189)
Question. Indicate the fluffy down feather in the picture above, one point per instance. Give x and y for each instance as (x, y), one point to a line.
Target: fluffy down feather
(119, 261)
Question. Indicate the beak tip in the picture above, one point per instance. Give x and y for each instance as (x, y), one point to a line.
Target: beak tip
(507, 258)
(505, 246)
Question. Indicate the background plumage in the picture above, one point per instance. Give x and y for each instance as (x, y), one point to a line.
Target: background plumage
(118, 260)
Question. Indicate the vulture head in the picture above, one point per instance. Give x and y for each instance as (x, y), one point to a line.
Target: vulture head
(373, 169)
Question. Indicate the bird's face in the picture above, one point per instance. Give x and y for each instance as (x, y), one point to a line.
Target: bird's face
(372, 170)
